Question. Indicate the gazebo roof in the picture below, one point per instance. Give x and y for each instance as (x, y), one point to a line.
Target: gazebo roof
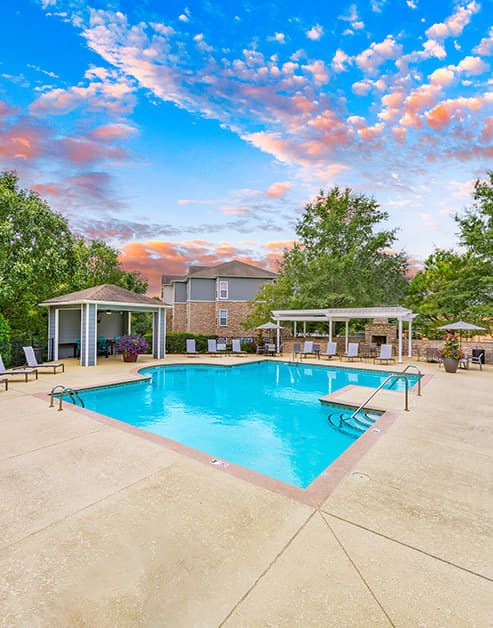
(106, 293)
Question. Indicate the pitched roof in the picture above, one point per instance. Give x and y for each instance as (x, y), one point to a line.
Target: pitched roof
(169, 278)
(235, 269)
(107, 293)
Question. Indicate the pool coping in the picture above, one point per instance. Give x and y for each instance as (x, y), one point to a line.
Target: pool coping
(315, 494)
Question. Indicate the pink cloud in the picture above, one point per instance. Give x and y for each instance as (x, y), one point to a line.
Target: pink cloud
(83, 149)
(441, 115)
(279, 189)
(113, 131)
(377, 54)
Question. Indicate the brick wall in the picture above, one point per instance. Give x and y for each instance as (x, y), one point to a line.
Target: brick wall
(179, 317)
(237, 313)
(202, 317)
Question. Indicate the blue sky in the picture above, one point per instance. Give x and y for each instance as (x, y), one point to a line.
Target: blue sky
(197, 131)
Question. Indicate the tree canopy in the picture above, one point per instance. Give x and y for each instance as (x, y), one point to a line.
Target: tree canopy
(342, 257)
(40, 258)
(453, 284)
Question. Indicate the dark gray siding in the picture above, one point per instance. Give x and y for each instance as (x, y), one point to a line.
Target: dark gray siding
(51, 331)
(202, 289)
(242, 289)
(180, 292)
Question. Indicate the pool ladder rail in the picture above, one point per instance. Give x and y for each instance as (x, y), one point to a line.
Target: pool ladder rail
(359, 425)
(65, 390)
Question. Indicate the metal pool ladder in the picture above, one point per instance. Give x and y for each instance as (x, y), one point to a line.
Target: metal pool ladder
(65, 390)
(387, 379)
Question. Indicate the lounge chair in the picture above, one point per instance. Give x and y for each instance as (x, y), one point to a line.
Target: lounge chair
(236, 347)
(212, 346)
(221, 347)
(33, 363)
(330, 351)
(270, 349)
(308, 348)
(296, 349)
(5, 381)
(191, 350)
(385, 354)
(13, 372)
(352, 351)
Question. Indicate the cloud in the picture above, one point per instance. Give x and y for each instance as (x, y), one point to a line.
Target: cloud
(105, 90)
(279, 37)
(377, 54)
(277, 190)
(352, 17)
(485, 46)
(315, 32)
(155, 258)
(340, 61)
(472, 66)
(455, 24)
(115, 131)
(441, 115)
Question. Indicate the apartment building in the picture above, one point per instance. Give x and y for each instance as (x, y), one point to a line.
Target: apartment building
(214, 299)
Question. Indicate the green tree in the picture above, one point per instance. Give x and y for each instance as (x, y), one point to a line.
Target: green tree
(40, 258)
(342, 258)
(96, 262)
(36, 253)
(476, 225)
(456, 285)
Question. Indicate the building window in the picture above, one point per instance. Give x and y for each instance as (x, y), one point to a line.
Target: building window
(223, 318)
(223, 289)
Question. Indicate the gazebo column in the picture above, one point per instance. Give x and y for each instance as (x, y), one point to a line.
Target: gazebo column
(129, 331)
(88, 334)
(347, 335)
(410, 339)
(159, 334)
(294, 331)
(278, 333)
(330, 330)
(400, 341)
(304, 329)
(52, 333)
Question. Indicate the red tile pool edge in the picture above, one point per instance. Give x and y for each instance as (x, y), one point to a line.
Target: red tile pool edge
(314, 495)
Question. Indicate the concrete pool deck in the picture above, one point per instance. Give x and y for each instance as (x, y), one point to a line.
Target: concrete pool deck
(102, 528)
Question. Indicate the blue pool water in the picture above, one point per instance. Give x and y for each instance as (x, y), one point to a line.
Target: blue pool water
(265, 416)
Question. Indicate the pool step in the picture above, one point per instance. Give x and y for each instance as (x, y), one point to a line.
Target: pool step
(351, 426)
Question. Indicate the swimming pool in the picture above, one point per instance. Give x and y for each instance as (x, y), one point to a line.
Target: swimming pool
(265, 416)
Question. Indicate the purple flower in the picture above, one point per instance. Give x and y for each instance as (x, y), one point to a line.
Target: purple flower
(132, 344)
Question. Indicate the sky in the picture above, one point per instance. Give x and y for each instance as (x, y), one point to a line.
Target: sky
(197, 131)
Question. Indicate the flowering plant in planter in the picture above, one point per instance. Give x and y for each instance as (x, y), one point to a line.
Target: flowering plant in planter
(130, 346)
(451, 349)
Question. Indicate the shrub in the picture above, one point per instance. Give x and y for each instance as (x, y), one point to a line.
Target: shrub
(5, 349)
(131, 344)
(249, 347)
(176, 341)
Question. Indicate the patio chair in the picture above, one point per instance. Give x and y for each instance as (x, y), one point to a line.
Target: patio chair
(212, 346)
(385, 354)
(32, 362)
(236, 347)
(330, 351)
(478, 359)
(270, 349)
(296, 349)
(13, 372)
(308, 348)
(191, 350)
(352, 351)
(5, 381)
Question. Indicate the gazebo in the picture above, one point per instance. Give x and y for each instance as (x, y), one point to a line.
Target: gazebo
(80, 318)
(332, 315)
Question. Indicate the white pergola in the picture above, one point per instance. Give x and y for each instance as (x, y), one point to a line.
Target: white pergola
(333, 315)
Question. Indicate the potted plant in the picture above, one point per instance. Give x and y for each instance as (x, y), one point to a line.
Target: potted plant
(451, 353)
(130, 346)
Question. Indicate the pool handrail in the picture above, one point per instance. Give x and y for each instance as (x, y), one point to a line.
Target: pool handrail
(64, 390)
(393, 377)
(420, 375)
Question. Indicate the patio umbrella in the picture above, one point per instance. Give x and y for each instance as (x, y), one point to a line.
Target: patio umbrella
(461, 326)
(268, 325)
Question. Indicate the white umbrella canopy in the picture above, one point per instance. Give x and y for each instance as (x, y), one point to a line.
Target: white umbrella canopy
(268, 325)
(461, 326)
